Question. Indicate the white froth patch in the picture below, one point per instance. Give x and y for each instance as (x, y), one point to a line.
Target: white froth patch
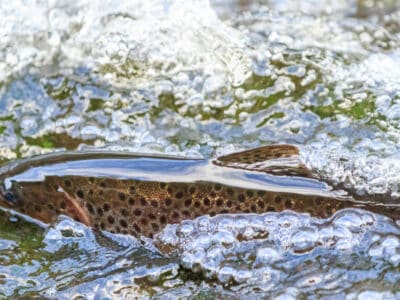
(257, 250)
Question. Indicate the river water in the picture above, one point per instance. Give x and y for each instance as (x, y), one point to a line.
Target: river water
(200, 79)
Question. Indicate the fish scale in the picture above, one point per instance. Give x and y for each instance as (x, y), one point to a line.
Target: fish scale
(143, 207)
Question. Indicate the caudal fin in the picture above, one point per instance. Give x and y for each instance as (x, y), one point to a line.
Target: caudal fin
(275, 159)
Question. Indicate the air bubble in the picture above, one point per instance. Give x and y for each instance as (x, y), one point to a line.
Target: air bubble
(304, 239)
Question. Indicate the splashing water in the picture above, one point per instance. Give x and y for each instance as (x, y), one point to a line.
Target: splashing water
(174, 77)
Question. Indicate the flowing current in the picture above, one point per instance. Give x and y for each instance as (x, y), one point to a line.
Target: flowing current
(200, 79)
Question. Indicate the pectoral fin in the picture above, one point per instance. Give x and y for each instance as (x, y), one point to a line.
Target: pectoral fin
(74, 209)
(275, 159)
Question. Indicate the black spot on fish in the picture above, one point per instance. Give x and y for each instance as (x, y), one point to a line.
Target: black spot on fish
(143, 201)
(89, 208)
(163, 220)
(137, 212)
(136, 228)
(188, 202)
(121, 196)
(261, 204)
(106, 207)
(206, 201)
(154, 203)
(123, 223)
(100, 212)
(80, 194)
(219, 202)
(241, 198)
(124, 212)
(131, 201)
(103, 184)
(179, 195)
(288, 204)
(249, 193)
(168, 201)
(110, 219)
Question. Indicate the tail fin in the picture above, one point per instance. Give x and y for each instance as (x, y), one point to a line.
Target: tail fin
(275, 159)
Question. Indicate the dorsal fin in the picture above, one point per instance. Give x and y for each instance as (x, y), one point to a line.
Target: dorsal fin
(275, 159)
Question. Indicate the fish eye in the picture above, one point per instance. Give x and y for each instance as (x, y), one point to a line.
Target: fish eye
(9, 197)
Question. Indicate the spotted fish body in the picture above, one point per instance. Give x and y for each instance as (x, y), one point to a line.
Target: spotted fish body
(139, 195)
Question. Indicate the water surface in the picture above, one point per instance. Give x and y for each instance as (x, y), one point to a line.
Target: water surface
(201, 79)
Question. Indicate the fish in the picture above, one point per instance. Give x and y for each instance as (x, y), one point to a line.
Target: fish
(140, 194)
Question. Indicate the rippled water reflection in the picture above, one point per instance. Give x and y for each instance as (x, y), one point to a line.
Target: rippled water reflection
(199, 79)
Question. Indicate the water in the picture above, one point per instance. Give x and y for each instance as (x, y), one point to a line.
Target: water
(201, 79)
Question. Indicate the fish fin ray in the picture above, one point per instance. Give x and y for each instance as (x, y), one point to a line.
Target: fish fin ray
(281, 160)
